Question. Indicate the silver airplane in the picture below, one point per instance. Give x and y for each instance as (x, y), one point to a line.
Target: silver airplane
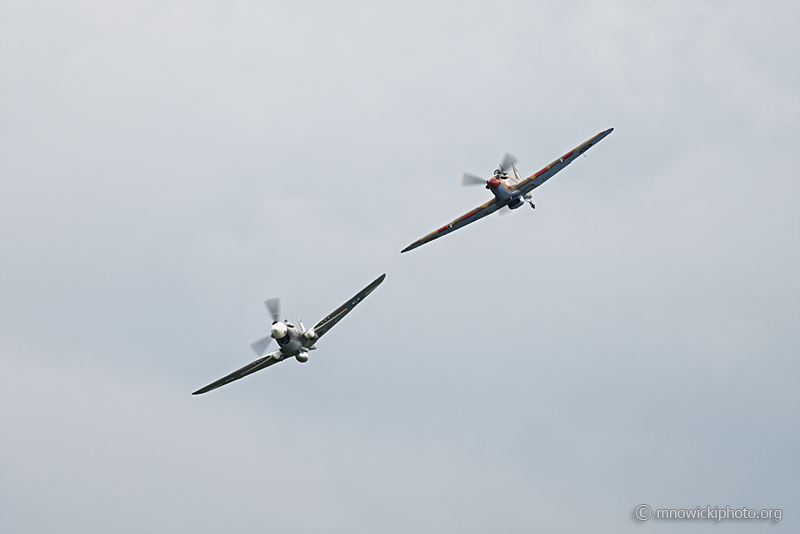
(292, 341)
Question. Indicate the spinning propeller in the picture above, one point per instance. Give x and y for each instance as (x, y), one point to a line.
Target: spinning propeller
(274, 307)
(506, 164)
(471, 179)
(279, 330)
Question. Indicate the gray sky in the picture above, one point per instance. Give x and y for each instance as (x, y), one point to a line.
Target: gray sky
(167, 166)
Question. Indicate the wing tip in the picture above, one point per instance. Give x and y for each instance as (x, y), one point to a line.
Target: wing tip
(206, 389)
(375, 283)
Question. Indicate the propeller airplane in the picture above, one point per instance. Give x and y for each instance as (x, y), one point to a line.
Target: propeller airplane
(292, 341)
(510, 191)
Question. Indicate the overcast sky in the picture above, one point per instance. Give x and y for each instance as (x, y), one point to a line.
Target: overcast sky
(167, 166)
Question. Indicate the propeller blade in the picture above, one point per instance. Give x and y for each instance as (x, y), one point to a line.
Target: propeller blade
(471, 179)
(504, 211)
(274, 307)
(260, 346)
(302, 326)
(507, 162)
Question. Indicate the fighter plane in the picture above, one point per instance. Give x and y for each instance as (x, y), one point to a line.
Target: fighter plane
(511, 191)
(292, 341)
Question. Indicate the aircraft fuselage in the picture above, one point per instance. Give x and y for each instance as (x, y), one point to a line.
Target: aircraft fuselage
(293, 341)
(501, 193)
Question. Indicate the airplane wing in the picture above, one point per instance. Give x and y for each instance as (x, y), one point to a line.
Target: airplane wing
(525, 186)
(261, 363)
(327, 323)
(470, 217)
(538, 178)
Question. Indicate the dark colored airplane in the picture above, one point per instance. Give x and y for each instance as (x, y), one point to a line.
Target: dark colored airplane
(292, 341)
(509, 191)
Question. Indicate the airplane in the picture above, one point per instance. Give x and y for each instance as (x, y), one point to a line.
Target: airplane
(511, 191)
(292, 341)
